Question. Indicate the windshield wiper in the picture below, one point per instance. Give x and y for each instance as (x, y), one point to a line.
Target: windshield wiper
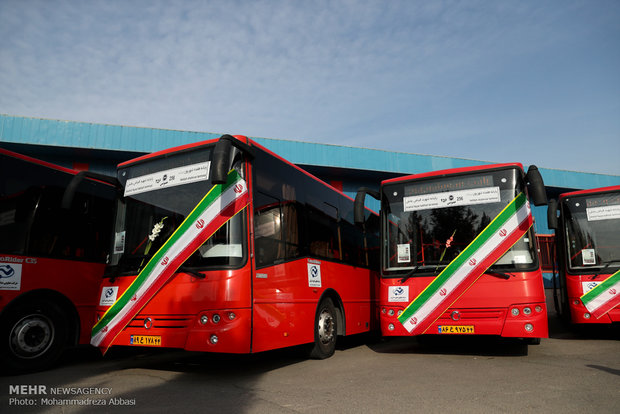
(501, 275)
(597, 274)
(409, 275)
(198, 275)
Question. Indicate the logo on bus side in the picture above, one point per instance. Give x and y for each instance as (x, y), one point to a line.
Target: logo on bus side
(503, 232)
(472, 262)
(612, 291)
(10, 276)
(314, 273)
(238, 188)
(108, 295)
(200, 224)
(165, 261)
(398, 294)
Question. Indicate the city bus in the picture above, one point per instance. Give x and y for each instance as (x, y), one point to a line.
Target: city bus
(285, 266)
(459, 255)
(52, 258)
(587, 231)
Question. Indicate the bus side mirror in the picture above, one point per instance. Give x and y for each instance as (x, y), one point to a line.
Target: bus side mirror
(552, 214)
(220, 161)
(536, 186)
(358, 206)
(69, 194)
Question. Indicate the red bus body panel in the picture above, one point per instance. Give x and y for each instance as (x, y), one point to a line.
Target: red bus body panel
(486, 306)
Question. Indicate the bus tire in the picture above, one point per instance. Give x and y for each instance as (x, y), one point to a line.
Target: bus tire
(325, 330)
(33, 336)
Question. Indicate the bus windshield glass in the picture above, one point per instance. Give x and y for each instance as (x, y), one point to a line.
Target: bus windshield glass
(158, 194)
(428, 222)
(592, 225)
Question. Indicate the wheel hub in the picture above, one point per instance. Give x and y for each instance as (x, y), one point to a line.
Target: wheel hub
(326, 327)
(31, 336)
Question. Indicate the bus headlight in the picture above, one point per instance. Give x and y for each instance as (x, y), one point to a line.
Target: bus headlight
(216, 318)
(391, 312)
(204, 319)
(214, 339)
(527, 311)
(515, 311)
(391, 327)
(586, 315)
(529, 327)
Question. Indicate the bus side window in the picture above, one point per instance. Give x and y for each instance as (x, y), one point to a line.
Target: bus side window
(323, 234)
(268, 241)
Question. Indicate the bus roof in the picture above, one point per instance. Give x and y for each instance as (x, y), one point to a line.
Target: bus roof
(591, 191)
(242, 138)
(37, 161)
(451, 171)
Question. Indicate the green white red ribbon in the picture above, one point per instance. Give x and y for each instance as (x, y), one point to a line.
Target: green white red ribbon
(491, 244)
(603, 297)
(220, 204)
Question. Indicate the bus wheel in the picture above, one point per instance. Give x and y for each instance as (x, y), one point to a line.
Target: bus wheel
(33, 336)
(325, 330)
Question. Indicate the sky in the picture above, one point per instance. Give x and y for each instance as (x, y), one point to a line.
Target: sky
(531, 81)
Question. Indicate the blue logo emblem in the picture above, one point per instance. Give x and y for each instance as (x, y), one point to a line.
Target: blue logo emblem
(314, 271)
(6, 271)
(399, 291)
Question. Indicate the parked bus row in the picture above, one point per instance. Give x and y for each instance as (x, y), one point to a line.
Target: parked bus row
(223, 246)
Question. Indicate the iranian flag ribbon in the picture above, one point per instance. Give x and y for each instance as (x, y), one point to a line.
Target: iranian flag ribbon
(220, 204)
(491, 244)
(603, 297)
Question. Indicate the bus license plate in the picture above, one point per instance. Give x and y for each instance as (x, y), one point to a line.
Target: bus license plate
(456, 329)
(145, 340)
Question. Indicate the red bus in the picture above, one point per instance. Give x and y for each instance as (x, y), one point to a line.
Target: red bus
(290, 268)
(587, 231)
(430, 223)
(51, 259)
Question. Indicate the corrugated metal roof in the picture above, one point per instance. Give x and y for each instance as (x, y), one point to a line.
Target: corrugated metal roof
(124, 138)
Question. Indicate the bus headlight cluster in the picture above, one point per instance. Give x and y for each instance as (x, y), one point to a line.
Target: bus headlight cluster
(391, 311)
(525, 310)
(204, 318)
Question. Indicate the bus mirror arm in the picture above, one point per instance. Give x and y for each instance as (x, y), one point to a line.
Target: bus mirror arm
(552, 214)
(220, 163)
(69, 194)
(536, 186)
(358, 206)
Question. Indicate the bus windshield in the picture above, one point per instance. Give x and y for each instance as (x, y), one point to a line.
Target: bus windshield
(158, 194)
(428, 222)
(592, 225)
